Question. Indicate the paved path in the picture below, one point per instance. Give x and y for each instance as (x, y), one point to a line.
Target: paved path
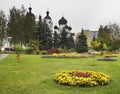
(3, 56)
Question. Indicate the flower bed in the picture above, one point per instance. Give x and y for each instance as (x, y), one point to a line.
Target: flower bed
(82, 78)
(66, 55)
(108, 57)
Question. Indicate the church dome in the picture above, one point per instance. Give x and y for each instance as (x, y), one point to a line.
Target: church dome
(47, 15)
(30, 9)
(55, 27)
(69, 28)
(30, 13)
(66, 26)
(62, 21)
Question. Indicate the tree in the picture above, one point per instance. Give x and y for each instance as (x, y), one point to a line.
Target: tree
(43, 34)
(71, 41)
(16, 24)
(56, 40)
(33, 46)
(114, 31)
(115, 45)
(115, 36)
(94, 45)
(29, 26)
(104, 36)
(3, 21)
(18, 50)
(64, 38)
(81, 44)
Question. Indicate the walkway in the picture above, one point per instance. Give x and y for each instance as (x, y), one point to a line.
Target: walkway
(2, 56)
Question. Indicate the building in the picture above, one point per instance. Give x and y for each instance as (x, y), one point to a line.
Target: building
(62, 24)
(48, 20)
(90, 35)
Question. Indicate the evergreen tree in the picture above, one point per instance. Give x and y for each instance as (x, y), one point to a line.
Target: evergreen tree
(100, 31)
(3, 21)
(16, 24)
(56, 40)
(71, 41)
(29, 26)
(43, 34)
(21, 25)
(81, 45)
(64, 38)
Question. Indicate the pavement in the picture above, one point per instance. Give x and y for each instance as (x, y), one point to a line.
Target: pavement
(2, 56)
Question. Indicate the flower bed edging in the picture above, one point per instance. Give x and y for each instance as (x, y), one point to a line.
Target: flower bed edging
(107, 59)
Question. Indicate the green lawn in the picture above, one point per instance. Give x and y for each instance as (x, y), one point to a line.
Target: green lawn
(34, 75)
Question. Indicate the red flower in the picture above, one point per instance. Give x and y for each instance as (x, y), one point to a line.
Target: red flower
(82, 74)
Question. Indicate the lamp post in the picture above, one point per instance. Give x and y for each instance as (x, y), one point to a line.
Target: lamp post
(9, 39)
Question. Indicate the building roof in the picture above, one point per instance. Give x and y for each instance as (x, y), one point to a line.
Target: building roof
(30, 13)
(47, 15)
(69, 28)
(62, 21)
(55, 27)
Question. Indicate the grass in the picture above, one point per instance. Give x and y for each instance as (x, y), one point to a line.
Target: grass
(34, 75)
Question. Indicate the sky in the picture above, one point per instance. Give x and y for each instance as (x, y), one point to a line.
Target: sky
(86, 14)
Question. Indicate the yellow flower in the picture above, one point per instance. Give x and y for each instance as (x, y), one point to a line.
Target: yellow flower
(67, 77)
(54, 55)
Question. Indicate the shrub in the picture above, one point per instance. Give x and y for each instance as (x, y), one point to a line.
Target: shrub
(109, 55)
(65, 50)
(60, 50)
(82, 78)
(29, 50)
(37, 51)
(18, 48)
(44, 52)
(53, 50)
(72, 50)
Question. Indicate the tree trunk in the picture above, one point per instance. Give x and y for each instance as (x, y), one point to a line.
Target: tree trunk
(18, 57)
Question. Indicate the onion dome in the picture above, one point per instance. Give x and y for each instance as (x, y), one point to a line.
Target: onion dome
(69, 28)
(47, 15)
(55, 27)
(66, 26)
(62, 21)
(40, 18)
(30, 9)
(30, 13)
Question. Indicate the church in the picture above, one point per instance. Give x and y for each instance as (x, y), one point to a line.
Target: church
(62, 23)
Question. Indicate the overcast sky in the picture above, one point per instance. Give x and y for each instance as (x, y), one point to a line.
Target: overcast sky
(87, 14)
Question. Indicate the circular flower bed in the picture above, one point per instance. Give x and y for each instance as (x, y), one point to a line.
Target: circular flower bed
(107, 59)
(82, 78)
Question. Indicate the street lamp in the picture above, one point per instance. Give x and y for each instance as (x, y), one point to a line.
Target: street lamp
(9, 39)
